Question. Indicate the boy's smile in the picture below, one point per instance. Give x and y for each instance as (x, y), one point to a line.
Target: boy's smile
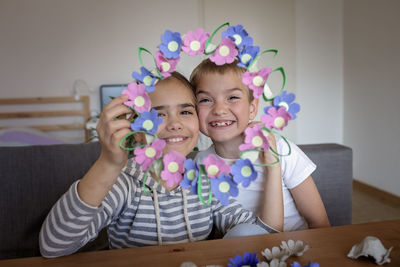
(223, 107)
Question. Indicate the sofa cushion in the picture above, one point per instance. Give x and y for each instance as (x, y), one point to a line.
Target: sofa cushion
(32, 179)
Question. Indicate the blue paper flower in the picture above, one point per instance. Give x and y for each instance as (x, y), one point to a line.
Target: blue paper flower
(247, 55)
(146, 77)
(243, 172)
(286, 100)
(310, 264)
(190, 178)
(222, 187)
(147, 121)
(171, 44)
(249, 259)
(238, 35)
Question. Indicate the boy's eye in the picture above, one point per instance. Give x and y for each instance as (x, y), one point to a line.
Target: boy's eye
(203, 100)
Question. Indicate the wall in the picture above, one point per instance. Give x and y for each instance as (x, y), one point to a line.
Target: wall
(371, 99)
(319, 70)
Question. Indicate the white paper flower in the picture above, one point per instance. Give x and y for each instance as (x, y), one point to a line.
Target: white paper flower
(295, 248)
(371, 246)
(273, 263)
(275, 253)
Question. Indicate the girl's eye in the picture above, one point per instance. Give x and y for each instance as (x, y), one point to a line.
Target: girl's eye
(187, 112)
(161, 114)
(233, 97)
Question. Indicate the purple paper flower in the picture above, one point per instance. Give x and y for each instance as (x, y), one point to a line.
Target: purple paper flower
(275, 117)
(173, 168)
(214, 166)
(286, 100)
(147, 121)
(256, 80)
(194, 42)
(254, 139)
(249, 259)
(239, 35)
(190, 177)
(247, 55)
(146, 77)
(222, 187)
(171, 44)
(166, 66)
(225, 53)
(310, 264)
(147, 155)
(243, 172)
(138, 98)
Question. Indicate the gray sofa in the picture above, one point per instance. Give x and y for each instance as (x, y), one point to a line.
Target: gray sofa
(33, 178)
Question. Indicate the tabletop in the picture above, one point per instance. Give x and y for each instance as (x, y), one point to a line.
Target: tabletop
(328, 246)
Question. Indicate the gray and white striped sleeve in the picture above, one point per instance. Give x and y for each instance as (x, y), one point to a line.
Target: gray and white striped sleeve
(71, 223)
(226, 217)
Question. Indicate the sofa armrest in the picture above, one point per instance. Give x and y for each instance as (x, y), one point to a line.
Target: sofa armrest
(334, 179)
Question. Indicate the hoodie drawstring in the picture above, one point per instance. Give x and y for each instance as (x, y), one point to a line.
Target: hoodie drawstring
(158, 218)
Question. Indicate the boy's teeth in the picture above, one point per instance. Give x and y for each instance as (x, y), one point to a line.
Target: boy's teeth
(174, 140)
(225, 123)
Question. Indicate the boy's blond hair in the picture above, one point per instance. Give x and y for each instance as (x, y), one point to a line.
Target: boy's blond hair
(207, 67)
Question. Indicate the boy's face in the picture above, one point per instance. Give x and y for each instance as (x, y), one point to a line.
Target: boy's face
(223, 106)
(175, 104)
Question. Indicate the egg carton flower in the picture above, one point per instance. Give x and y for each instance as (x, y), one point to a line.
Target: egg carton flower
(286, 100)
(295, 248)
(145, 77)
(138, 98)
(190, 177)
(254, 139)
(147, 155)
(272, 263)
(173, 168)
(310, 264)
(147, 121)
(171, 43)
(247, 55)
(222, 187)
(194, 42)
(248, 259)
(165, 65)
(275, 117)
(225, 53)
(215, 166)
(243, 172)
(256, 80)
(276, 253)
(239, 35)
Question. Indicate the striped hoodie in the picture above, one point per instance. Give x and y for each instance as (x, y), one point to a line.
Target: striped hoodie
(137, 217)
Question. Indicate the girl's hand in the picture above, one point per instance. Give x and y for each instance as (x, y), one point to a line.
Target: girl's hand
(111, 130)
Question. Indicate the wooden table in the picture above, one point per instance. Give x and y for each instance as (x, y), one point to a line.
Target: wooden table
(328, 247)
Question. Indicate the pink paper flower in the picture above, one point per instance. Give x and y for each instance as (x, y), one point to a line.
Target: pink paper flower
(166, 66)
(215, 166)
(256, 80)
(225, 53)
(138, 98)
(173, 168)
(147, 155)
(254, 139)
(194, 42)
(276, 118)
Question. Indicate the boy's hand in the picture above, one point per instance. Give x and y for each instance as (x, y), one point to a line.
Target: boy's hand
(112, 130)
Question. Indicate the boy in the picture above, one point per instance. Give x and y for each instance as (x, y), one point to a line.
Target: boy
(225, 107)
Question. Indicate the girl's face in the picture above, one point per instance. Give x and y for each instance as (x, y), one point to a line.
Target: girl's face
(175, 104)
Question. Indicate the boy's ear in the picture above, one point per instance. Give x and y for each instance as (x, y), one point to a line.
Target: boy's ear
(253, 108)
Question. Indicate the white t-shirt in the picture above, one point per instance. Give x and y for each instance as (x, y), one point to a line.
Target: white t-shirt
(295, 169)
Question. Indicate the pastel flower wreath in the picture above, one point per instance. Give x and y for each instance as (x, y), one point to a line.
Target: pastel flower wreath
(174, 168)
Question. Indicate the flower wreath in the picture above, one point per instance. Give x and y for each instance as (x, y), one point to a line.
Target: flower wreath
(175, 168)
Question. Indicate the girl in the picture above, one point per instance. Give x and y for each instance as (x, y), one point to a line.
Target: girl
(115, 193)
